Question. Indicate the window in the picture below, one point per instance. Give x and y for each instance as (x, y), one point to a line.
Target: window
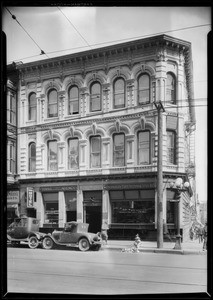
(52, 156)
(171, 149)
(12, 109)
(50, 208)
(32, 157)
(119, 150)
(144, 89)
(73, 154)
(52, 104)
(95, 97)
(170, 88)
(119, 93)
(71, 205)
(32, 106)
(11, 158)
(143, 147)
(133, 206)
(73, 100)
(95, 152)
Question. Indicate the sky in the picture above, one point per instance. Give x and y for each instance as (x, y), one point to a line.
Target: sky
(74, 29)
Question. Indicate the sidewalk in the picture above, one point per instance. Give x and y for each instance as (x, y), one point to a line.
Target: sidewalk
(190, 247)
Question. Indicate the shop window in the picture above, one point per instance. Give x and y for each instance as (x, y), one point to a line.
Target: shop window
(12, 109)
(119, 150)
(144, 147)
(73, 100)
(32, 157)
(71, 205)
(133, 206)
(73, 153)
(11, 157)
(119, 93)
(170, 88)
(144, 89)
(95, 97)
(170, 207)
(52, 103)
(52, 156)
(95, 152)
(50, 208)
(32, 106)
(171, 147)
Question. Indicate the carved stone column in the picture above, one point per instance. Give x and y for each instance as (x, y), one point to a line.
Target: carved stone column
(84, 108)
(106, 91)
(42, 108)
(61, 111)
(130, 92)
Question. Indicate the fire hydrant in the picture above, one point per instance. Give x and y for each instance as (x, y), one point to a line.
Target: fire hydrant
(137, 243)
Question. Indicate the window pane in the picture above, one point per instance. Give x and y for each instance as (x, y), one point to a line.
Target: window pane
(32, 107)
(71, 201)
(73, 100)
(53, 156)
(95, 152)
(73, 155)
(53, 96)
(171, 147)
(53, 103)
(170, 88)
(73, 93)
(119, 85)
(95, 97)
(144, 147)
(119, 100)
(119, 150)
(96, 88)
(119, 93)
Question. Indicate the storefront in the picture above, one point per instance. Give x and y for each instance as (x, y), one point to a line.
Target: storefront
(12, 206)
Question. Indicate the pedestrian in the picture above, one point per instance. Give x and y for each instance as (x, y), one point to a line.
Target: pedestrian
(104, 231)
(200, 235)
(205, 237)
(166, 231)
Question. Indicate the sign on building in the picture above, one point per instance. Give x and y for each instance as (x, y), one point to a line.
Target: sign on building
(30, 197)
(13, 197)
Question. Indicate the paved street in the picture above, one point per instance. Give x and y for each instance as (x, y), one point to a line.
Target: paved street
(104, 272)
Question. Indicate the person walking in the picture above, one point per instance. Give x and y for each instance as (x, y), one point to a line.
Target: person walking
(205, 237)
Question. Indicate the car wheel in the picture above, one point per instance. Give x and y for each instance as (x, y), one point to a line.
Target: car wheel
(83, 244)
(47, 243)
(33, 242)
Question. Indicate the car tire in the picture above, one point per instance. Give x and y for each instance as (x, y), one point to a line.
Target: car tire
(47, 243)
(33, 242)
(83, 244)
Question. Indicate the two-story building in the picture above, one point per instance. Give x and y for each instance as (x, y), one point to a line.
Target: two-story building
(88, 135)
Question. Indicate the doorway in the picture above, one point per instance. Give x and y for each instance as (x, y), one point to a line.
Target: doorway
(93, 218)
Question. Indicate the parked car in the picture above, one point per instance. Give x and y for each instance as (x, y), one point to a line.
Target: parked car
(74, 234)
(25, 229)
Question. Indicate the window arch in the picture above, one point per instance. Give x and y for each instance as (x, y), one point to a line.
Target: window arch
(119, 149)
(144, 147)
(52, 103)
(95, 151)
(73, 100)
(143, 89)
(95, 96)
(52, 155)
(32, 157)
(119, 93)
(73, 153)
(32, 106)
(171, 147)
(171, 88)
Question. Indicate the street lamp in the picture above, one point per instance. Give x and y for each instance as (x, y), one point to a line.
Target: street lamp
(178, 187)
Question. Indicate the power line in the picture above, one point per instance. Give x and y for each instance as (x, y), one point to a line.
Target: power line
(14, 17)
(74, 27)
(120, 40)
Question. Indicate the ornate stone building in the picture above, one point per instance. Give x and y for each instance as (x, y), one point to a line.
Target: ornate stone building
(88, 135)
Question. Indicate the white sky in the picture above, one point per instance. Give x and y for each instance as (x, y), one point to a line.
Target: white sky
(52, 32)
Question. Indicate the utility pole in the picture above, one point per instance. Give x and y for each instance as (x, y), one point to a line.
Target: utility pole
(160, 108)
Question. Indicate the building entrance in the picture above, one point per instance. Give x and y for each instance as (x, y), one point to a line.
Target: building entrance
(93, 210)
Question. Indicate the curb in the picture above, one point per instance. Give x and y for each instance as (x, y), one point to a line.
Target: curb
(166, 251)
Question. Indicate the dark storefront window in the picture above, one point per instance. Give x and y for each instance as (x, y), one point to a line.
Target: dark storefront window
(71, 205)
(170, 207)
(133, 206)
(50, 208)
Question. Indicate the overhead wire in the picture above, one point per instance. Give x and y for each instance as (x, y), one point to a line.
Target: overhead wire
(14, 18)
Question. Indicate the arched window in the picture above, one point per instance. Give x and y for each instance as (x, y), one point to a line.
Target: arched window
(73, 100)
(171, 147)
(52, 156)
(73, 153)
(52, 104)
(144, 147)
(95, 96)
(119, 93)
(119, 150)
(170, 88)
(144, 89)
(32, 157)
(32, 106)
(95, 152)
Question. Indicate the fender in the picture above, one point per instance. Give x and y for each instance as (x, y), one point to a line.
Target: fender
(39, 235)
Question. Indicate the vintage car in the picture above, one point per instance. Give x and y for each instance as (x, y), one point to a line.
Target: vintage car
(74, 234)
(25, 229)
